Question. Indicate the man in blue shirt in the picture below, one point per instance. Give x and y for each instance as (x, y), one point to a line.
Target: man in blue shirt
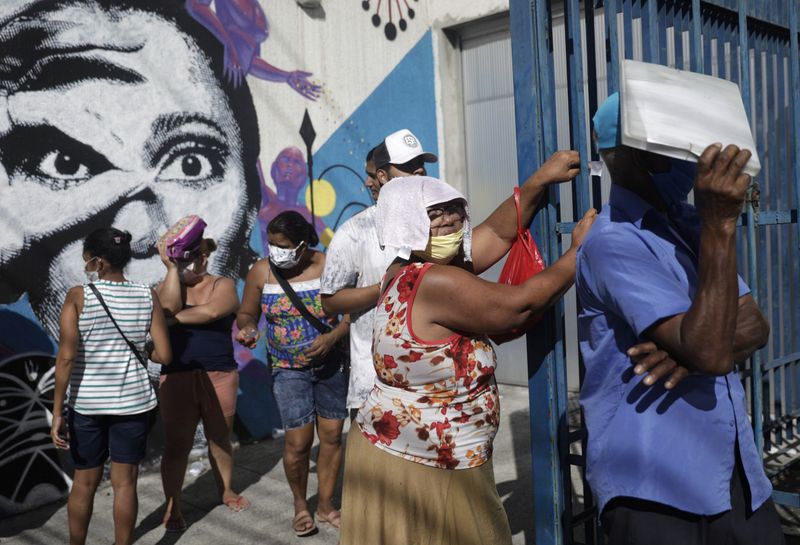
(670, 461)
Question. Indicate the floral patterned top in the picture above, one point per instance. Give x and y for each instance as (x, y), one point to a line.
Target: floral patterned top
(434, 402)
(288, 333)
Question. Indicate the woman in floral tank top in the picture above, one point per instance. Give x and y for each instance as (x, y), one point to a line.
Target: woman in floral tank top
(419, 466)
(309, 381)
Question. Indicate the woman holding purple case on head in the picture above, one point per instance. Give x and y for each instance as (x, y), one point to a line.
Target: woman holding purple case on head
(203, 382)
(308, 367)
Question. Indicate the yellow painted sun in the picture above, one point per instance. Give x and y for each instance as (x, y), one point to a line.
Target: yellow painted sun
(324, 197)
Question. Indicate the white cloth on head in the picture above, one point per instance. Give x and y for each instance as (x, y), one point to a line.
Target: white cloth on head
(402, 218)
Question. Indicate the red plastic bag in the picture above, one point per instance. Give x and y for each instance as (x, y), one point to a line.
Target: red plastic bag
(524, 261)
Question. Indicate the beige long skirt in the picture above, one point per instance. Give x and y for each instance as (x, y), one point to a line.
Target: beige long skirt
(387, 500)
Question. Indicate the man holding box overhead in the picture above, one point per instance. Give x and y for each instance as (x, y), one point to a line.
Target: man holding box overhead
(671, 456)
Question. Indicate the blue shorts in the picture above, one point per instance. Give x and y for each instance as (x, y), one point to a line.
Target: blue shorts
(93, 438)
(302, 396)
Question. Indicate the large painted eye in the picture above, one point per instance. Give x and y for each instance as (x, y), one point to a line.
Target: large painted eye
(187, 167)
(60, 165)
(46, 155)
(192, 163)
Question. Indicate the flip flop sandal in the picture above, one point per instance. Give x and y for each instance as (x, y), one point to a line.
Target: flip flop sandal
(237, 504)
(334, 518)
(301, 517)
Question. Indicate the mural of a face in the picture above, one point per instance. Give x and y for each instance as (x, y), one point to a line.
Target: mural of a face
(114, 114)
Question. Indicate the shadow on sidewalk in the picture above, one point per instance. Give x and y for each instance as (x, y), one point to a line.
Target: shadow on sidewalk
(251, 463)
(519, 505)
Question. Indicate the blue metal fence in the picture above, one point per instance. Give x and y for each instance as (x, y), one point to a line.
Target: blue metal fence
(753, 43)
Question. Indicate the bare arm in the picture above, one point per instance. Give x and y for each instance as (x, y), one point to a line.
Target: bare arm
(162, 349)
(351, 300)
(702, 339)
(224, 301)
(458, 300)
(325, 342)
(752, 329)
(169, 290)
(752, 332)
(65, 361)
(250, 309)
(492, 239)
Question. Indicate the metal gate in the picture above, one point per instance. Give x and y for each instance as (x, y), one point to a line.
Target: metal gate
(751, 42)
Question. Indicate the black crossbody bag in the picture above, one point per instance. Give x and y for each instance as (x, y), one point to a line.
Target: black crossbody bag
(339, 355)
(127, 341)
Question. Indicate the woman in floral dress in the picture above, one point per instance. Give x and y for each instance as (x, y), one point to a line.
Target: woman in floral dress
(419, 460)
(309, 380)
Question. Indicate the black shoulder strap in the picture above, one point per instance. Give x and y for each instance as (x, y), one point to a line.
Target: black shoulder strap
(113, 321)
(295, 299)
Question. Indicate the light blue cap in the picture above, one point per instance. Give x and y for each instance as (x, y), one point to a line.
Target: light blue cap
(606, 123)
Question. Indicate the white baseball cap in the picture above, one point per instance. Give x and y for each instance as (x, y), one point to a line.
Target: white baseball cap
(399, 148)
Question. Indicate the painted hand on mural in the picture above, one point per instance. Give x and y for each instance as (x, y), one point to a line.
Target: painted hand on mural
(298, 81)
(241, 26)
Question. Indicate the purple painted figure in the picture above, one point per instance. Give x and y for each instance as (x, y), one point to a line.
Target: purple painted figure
(242, 26)
(289, 172)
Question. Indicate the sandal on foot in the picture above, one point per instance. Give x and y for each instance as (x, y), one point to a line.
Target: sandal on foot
(334, 518)
(177, 524)
(299, 522)
(237, 504)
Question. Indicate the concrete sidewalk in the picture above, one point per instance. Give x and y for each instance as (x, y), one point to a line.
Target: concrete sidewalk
(259, 476)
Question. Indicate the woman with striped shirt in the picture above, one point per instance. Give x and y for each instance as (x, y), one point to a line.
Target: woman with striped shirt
(110, 396)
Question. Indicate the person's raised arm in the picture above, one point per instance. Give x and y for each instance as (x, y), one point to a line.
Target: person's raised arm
(351, 300)
(65, 361)
(169, 289)
(223, 301)
(460, 301)
(250, 309)
(492, 239)
(702, 339)
(162, 349)
(337, 285)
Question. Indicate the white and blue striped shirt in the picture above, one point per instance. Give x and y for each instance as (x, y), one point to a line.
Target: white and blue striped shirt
(107, 377)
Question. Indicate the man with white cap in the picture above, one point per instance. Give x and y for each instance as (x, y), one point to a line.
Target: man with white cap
(356, 263)
(674, 461)
(400, 154)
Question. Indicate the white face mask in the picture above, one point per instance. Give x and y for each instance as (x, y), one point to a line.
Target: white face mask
(91, 276)
(286, 258)
(188, 274)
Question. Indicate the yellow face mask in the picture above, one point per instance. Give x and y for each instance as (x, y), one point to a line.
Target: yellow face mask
(442, 249)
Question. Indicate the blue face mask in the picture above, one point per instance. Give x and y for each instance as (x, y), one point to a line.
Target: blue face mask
(674, 185)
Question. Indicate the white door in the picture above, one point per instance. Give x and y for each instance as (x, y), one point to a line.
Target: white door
(490, 147)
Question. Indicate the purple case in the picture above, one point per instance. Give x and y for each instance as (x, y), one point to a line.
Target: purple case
(183, 239)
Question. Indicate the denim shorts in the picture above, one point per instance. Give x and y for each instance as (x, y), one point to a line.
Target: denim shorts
(302, 396)
(93, 438)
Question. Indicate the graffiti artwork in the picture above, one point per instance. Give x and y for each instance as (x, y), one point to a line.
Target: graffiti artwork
(402, 11)
(29, 462)
(133, 113)
(97, 129)
(241, 26)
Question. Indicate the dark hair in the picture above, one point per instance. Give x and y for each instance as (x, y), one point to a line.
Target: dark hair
(371, 154)
(295, 227)
(207, 246)
(111, 244)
